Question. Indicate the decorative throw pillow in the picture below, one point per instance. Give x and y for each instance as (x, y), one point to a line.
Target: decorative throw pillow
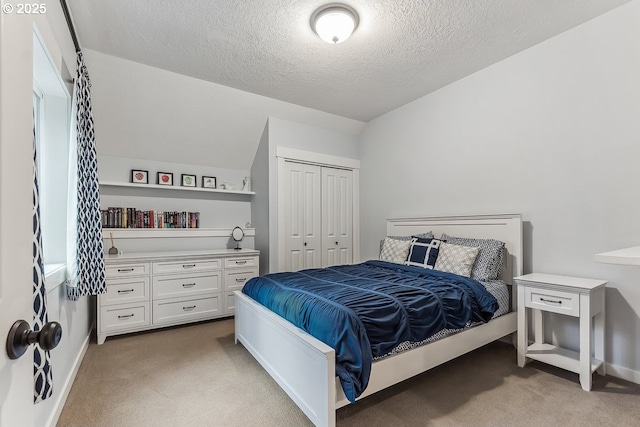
(394, 250)
(427, 235)
(489, 260)
(456, 259)
(423, 252)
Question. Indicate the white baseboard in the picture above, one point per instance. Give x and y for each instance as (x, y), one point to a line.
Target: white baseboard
(66, 388)
(624, 373)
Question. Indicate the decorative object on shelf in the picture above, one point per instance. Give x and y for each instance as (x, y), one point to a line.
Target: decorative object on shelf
(165, 178)
(139, 176)
(237, 234)
(208, 182)
(246, 184)
(226, 186)
(188, 180)
(112, 250)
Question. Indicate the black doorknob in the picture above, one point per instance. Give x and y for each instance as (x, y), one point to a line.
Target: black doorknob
(21, 337)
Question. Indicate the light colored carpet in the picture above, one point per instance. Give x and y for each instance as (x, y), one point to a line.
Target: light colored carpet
(196, 376)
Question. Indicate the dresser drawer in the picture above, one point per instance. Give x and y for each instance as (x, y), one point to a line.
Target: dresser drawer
(553, 301)
(186, 309)
(234, 280)
(229, 302)
(122, 291)
(186, 285)
(241, 262)
(126, 270)
(186, 266)
(115, 318)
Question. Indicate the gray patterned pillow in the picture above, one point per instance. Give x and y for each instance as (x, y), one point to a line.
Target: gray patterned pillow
(489, 260)
(427, 235)
(456, 259)
(394, 250)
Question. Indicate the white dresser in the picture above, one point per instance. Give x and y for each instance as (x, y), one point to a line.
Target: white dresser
(156, 289)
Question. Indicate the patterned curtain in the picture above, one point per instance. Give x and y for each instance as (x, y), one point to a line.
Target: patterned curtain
(89, 274)
(42, 375)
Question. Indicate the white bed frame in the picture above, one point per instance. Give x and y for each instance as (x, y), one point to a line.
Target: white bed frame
(305, 367)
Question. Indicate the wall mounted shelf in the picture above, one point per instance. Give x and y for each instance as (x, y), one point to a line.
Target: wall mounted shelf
(172, 188)
(150, 233)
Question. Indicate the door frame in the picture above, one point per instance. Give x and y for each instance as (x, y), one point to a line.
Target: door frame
(16, 209)
(284, 154)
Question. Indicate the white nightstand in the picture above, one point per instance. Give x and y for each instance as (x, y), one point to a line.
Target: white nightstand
(571, 296)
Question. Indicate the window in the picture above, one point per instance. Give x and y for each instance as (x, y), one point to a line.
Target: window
(52, 115)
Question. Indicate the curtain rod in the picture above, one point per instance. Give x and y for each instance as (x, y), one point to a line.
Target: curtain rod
(72, 30)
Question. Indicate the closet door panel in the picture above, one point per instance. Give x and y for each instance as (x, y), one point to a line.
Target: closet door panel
(337, 216)
(301, 186)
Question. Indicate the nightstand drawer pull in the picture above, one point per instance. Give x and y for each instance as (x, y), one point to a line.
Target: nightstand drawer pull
(189, 308)
(125, 270)
(241, 262)
(188, 285)
(244, 279)
(551, 301)
(125, 291)
(188, 265)
(128, 316)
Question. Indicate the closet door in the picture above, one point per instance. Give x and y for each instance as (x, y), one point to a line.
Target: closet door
(301, 186)
(337, 216)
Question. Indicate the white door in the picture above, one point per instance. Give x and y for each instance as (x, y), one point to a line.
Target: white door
(337, 216)
(300, 184)
(16, 139)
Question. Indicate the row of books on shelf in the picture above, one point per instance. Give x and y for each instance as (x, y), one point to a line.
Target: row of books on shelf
(134, 218)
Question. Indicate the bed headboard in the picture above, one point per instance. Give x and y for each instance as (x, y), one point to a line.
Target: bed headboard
(506, 228)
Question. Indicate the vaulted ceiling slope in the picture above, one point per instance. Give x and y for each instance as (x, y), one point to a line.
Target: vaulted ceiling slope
(402, 50)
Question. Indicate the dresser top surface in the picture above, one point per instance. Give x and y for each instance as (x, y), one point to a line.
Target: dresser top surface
(133, 256)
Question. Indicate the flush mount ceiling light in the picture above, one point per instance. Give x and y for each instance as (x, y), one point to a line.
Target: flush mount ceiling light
(334, 22)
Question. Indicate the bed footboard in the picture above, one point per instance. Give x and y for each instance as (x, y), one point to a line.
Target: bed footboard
(303, 366)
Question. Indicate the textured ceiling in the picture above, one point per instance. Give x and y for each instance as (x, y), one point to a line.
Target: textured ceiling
(402, 50)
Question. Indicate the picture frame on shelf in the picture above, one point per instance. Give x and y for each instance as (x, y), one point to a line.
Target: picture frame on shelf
(165, 178)
(139, 176)
(209, 182)
(188, 180)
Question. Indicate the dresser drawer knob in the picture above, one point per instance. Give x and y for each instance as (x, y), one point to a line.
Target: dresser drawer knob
(125, 270)
(125, 291)
(241, 262)
(126, 316)
(241, 280)
(189, 308)
(551, 301)
(188, 265)
(188, 285)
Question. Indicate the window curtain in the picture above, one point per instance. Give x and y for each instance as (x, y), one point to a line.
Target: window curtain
(86, 263)
(42, 374)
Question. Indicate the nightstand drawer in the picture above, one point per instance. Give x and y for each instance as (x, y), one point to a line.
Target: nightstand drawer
(553, 301)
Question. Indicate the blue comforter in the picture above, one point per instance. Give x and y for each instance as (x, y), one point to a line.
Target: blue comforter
(366, 310)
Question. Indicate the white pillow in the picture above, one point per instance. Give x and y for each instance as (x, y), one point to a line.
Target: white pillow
(394, 250)
(456, 259)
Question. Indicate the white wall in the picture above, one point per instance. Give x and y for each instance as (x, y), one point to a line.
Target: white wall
(217, 210)
(286, 133)
(552, 133)
(148, 113)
